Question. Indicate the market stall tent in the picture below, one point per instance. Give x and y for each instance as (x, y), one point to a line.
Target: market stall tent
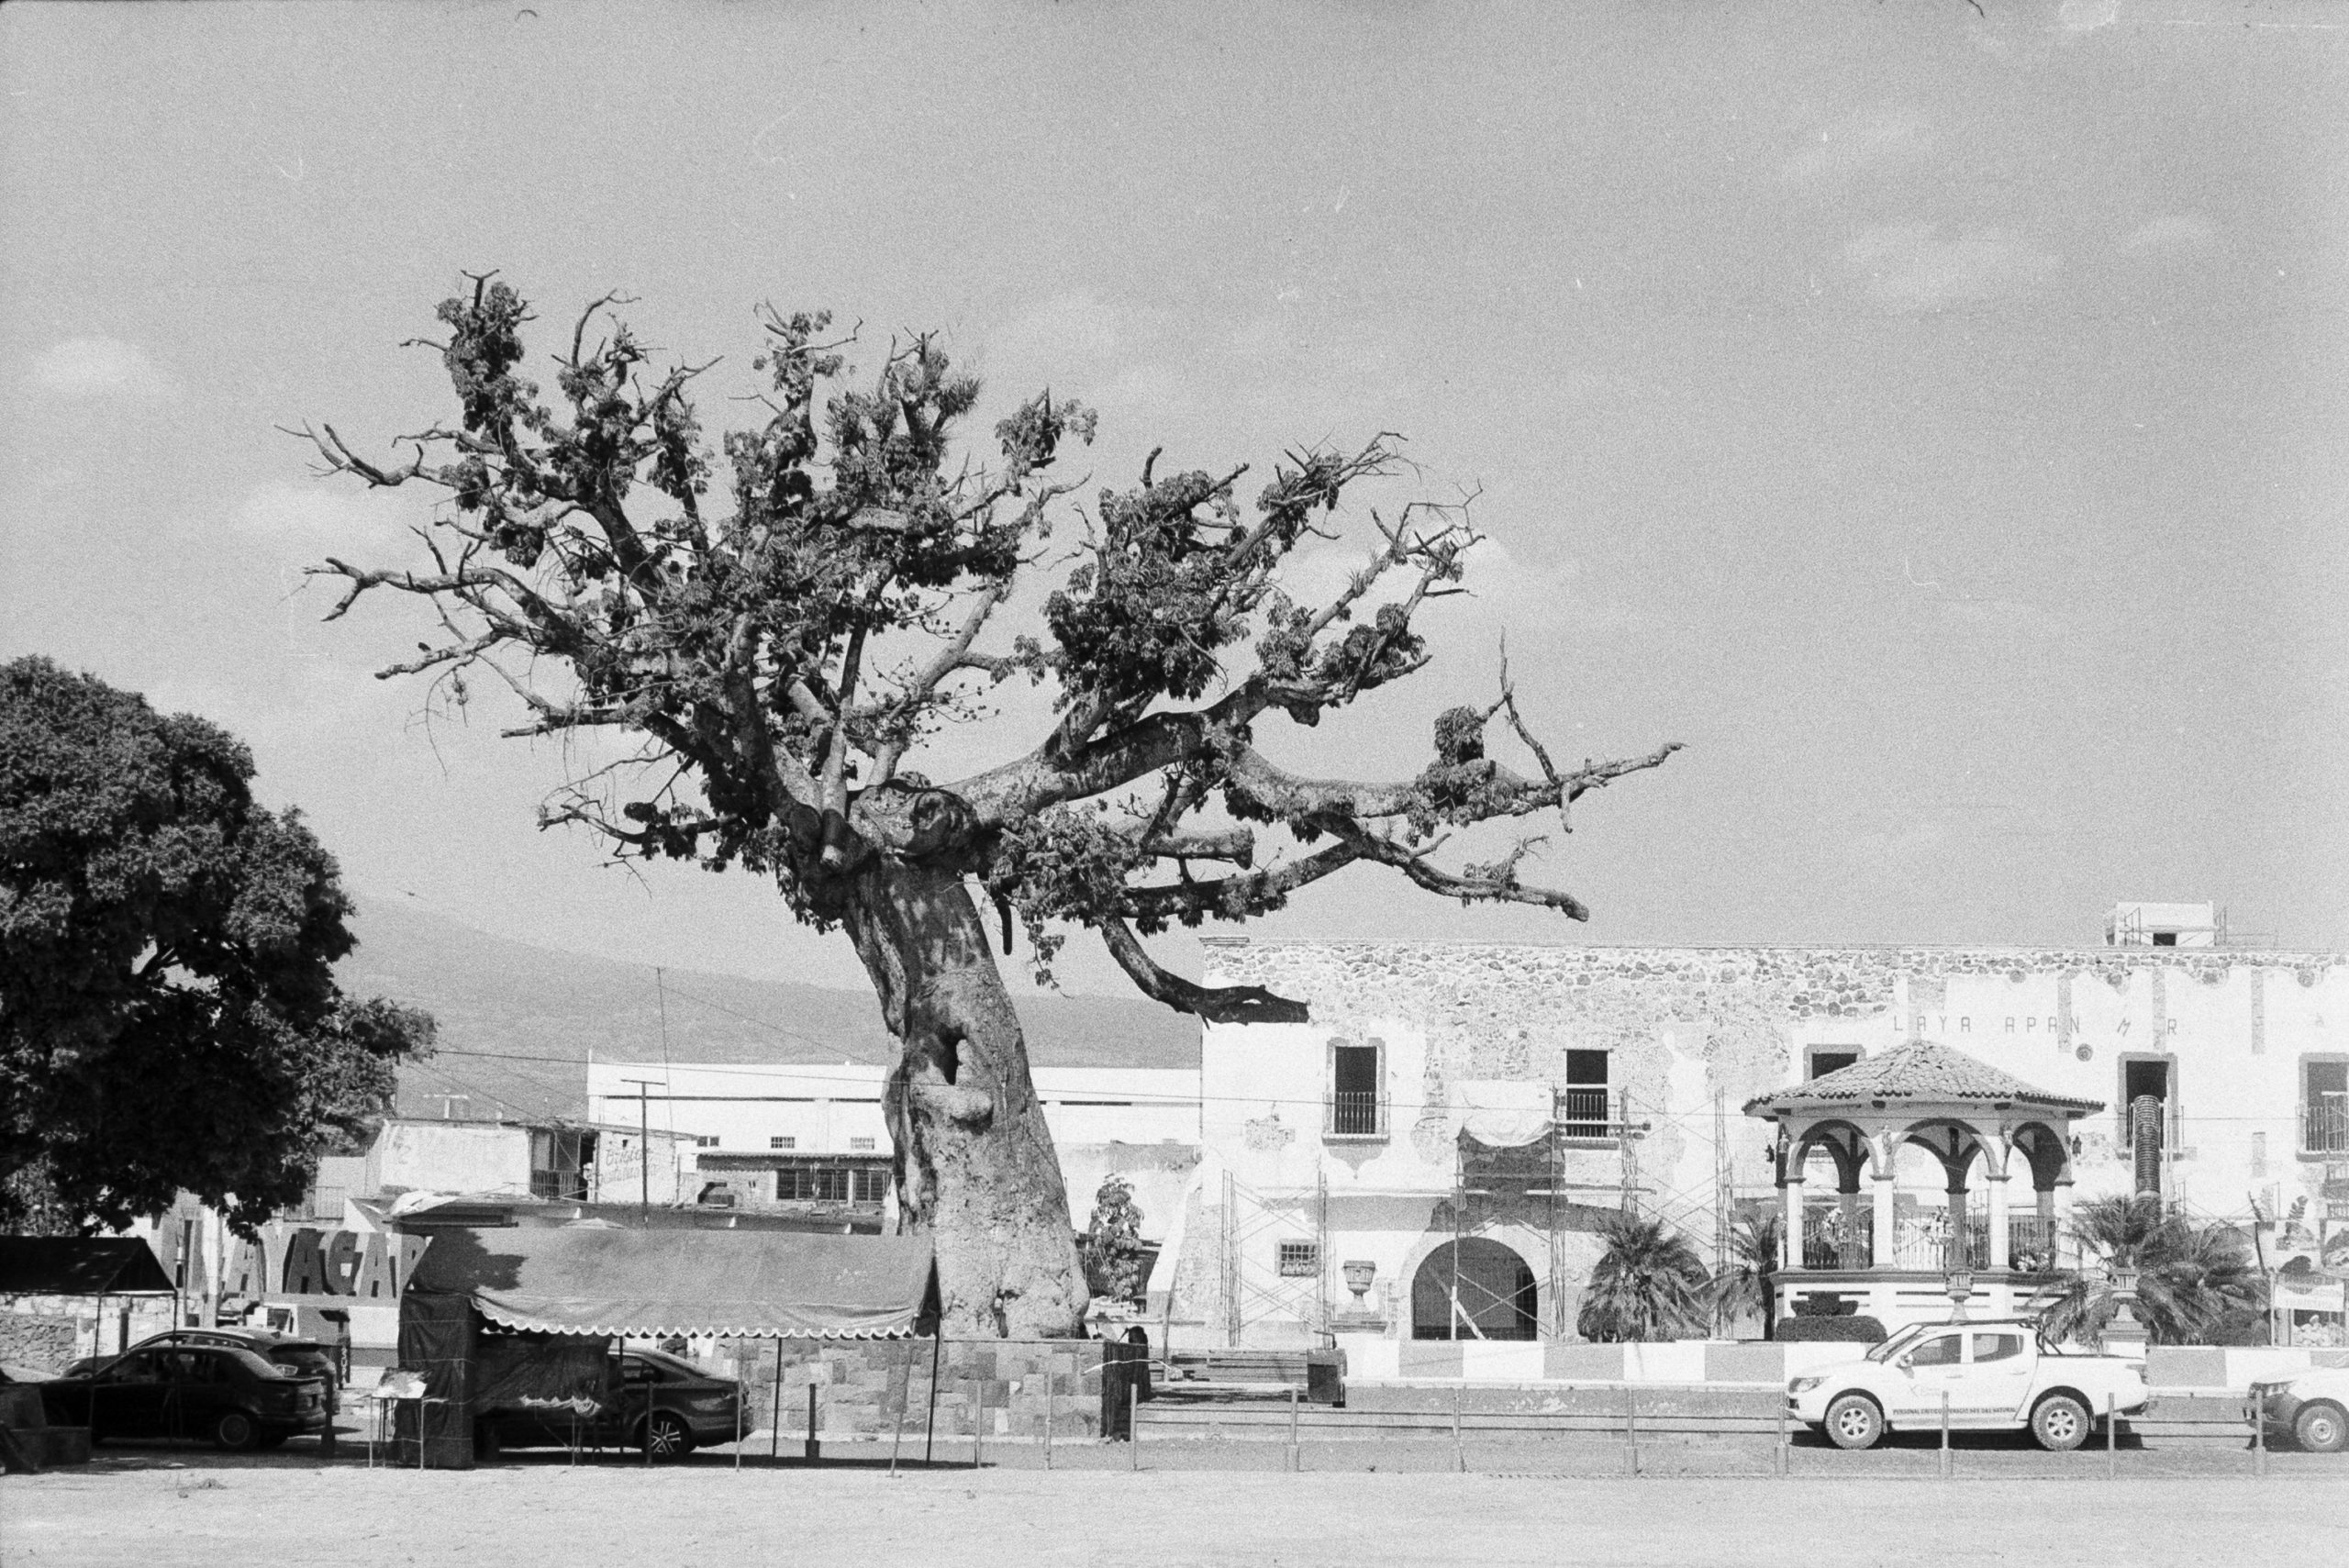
(597, 1284)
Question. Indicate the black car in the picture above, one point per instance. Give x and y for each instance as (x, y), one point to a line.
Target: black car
(306, 1357)
(649, 1399)
(228, 1395)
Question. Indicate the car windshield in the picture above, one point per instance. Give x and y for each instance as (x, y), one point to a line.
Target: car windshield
(1900, 1341)
(669, 1366)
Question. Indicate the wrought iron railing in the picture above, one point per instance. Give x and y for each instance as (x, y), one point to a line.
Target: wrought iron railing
(1355, 1113)
(1831, 1239)
(2030, 1244)
(1583, 1112)
(2324, 1125)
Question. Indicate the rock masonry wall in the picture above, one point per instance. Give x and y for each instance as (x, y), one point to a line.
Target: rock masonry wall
(1001, 1385)
(1495, 1011)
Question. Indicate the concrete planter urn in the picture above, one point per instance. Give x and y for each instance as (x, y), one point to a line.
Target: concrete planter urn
(1359, 1275)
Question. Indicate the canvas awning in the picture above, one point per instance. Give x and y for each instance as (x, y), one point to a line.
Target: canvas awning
(652, 1284)
(79, 1265)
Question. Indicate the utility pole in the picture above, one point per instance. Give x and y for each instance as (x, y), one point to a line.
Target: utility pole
(643, 1148)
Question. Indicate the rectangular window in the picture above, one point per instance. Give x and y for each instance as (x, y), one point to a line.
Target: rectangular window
(705, 1142)
(860, 1145)
(1826, 1058)
(1300, 1260)
(2324, 1105)
(872, 1185)
(1582, 1107)
(2142, 1077)
(790, 1185)
(783, 1143)
(1354, 1071)
(831, 1184)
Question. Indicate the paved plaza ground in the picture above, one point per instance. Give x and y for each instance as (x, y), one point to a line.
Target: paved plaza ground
(1200, 1503)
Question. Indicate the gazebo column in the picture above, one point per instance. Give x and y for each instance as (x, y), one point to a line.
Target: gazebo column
(1791, 1240)
(1847, 1200)
(1886, 1217)
(1956, 1254)
(2001, 1252)
(2059, 1216)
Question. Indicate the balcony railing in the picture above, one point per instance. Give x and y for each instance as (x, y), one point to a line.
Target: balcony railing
(1350, 1113)
(1832, 1240)
(2030, 1244)
(1583, 1112)
(2324, 1125)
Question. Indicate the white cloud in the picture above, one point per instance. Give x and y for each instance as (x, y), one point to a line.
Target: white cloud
(1911, 266)
(2173, 231)
(99, 368)
(322, 519)
(1854, 143)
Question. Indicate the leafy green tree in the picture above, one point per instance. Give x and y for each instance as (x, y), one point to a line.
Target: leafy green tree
(169, 1018)
(2195, 1283)
(777, 626)
(1112, 1246)
(1647, 1285)
(1742, 1283)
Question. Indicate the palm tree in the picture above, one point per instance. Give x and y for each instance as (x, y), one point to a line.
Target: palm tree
(2190, 1278)
(1742, 1283)
(1647, 1285)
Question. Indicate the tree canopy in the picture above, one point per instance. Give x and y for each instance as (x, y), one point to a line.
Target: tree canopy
(169, 1018)
(779, 623)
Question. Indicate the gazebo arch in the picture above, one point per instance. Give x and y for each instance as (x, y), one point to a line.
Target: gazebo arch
(1960, 1112)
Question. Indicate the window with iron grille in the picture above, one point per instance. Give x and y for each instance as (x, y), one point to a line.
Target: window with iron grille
(860, 1145)
(1300, 1260)
(1582, 1104)
(1355, 1073)
(2324, 1105)
(871, 1186)
(783, 1143)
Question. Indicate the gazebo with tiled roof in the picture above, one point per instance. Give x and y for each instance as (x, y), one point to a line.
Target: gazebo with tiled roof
(1961, 1111)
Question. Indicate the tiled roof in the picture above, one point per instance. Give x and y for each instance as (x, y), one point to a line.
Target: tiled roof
(1919, 1070)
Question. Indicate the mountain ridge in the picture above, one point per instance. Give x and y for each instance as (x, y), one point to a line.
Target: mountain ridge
(518, 1023)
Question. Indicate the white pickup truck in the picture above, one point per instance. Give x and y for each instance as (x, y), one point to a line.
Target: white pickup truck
(1996, 1374)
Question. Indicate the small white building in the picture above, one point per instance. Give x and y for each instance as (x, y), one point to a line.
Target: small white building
(813, 1134)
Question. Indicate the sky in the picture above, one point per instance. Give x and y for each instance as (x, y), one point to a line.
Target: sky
(1934, 420)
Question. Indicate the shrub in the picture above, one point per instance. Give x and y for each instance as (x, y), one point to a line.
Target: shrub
(1857, 1330)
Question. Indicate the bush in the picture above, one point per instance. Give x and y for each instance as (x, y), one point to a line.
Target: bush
(1857, 1330)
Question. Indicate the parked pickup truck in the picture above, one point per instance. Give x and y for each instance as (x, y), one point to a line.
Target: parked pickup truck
(2313, 1407)
(1998, 1374)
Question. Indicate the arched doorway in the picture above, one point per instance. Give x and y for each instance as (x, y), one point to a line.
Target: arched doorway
(1473, 1289)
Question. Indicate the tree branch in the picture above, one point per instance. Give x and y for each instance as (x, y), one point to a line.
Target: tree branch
(1216, 1004)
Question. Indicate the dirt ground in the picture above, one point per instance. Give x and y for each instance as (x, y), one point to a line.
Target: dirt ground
(161, 1507)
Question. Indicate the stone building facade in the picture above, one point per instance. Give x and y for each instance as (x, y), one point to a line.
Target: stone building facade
(1337, 1196)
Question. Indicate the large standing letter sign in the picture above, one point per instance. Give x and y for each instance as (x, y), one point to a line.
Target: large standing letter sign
(305, 1262)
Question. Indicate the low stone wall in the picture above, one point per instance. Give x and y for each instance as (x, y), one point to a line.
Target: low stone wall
(93, 1326)
(37, 1342)
(1005, 1387)
(1690, 1362)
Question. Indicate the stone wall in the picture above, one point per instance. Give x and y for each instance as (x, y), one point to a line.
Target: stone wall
(862, 1385)
(41, 1342)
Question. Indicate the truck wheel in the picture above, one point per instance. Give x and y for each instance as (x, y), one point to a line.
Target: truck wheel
(2060, 1423)
(236, 1432)
(2321, 1428)
(1854, 1421)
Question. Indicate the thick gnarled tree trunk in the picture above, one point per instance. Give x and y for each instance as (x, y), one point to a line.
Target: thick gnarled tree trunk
(975, 1168)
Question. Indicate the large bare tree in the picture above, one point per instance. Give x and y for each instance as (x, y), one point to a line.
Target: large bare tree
(780, 623)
